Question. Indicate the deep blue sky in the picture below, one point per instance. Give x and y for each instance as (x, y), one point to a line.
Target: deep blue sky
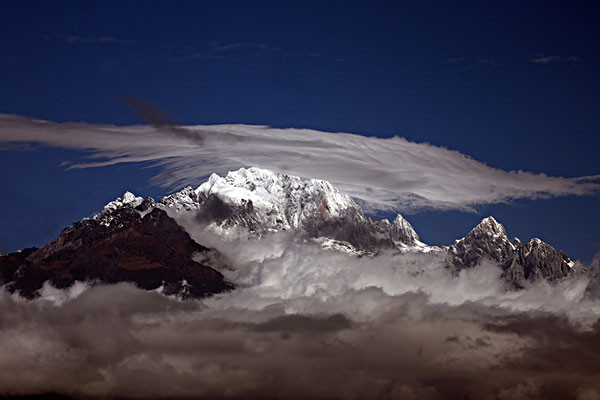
(455, 74)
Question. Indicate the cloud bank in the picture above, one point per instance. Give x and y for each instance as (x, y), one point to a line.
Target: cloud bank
(309, 323)
(381, 173)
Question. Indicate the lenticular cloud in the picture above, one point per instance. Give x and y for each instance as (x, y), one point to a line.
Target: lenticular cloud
(381, 173)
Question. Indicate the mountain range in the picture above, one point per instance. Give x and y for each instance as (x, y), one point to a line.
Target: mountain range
(146, 242)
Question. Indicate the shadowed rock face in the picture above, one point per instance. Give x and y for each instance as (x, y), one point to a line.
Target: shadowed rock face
(540, 260)
(488, 239)
(152, 252)
(531, 261)
(363, 233)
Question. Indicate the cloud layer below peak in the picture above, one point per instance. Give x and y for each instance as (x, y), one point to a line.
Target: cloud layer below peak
(387, 174)
(309, 323)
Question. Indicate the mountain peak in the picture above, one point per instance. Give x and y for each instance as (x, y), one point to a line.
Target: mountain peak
(491, 227)
(127, 198)
(262, 200)
(282, 200)
(536, 241)
(408, 232)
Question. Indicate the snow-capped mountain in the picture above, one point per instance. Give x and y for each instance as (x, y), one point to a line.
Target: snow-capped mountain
(261, 200)
(532, 260)
(271, 201)
(280, 201)
(140, 240)
(487, 239)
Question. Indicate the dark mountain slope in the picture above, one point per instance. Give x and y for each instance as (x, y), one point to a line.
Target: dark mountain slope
(120, 245)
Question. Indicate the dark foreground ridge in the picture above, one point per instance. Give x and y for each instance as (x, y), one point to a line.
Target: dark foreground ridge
(153, 252)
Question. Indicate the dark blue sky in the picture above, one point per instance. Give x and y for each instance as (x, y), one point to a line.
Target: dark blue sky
(515, 84)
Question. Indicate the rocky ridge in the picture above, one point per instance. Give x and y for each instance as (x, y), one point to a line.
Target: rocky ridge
(142, 241)
(530, 261)
(131, 240)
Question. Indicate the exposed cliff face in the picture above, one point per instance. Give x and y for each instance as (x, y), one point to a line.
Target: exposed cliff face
(540, 260)
(532, 260)
(133, 241)
(488, 239)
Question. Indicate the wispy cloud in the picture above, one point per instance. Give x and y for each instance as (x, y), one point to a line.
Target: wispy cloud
(232, 46)
(454, 60)
(217, 50)
(542, 59)
(390, 173)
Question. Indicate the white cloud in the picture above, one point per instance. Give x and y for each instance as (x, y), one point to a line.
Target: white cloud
(381, 173)
(541, 59)
(308, 323)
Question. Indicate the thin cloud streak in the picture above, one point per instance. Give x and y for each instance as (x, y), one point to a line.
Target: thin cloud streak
(541, 59)
(232, 46)
(386, 174)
